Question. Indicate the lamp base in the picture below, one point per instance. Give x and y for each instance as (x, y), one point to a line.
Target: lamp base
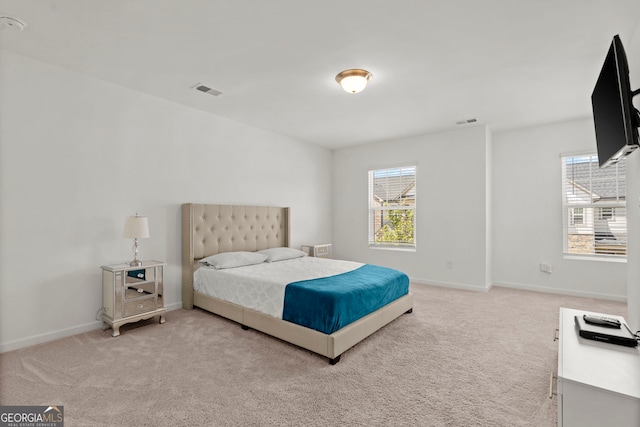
(136, 263)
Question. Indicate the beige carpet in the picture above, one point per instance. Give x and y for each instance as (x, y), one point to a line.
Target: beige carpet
(460, 359)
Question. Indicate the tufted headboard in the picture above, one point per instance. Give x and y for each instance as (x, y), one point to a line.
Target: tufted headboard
(211, 229)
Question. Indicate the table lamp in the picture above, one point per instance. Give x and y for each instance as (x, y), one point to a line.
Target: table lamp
(136, 227)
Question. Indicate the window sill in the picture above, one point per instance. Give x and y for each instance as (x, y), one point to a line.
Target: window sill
(393, 248)
(600, 258)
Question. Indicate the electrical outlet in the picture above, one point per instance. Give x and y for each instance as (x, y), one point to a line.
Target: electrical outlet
(545, 268)
(449, 265)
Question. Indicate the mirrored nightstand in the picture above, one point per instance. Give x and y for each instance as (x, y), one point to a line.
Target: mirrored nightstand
(321, 250)
(130, 294)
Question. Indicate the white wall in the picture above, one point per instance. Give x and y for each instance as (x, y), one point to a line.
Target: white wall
(490, 203)
(77, 155)
(527, 214)
(633, 241)
(633, 193)
(488, 182)
(452, 208)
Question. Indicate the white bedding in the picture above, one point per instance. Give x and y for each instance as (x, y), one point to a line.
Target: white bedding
(261, 286)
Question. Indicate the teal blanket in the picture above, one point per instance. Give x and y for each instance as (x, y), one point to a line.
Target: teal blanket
(330, 303)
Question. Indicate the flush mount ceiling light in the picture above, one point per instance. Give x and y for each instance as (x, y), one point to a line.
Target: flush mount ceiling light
(353, 81)
(11, 23)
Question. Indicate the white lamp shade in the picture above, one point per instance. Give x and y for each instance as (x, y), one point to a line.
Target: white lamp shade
(353, 84)
(136, 227)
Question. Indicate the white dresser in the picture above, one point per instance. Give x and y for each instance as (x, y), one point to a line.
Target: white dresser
(598, 383)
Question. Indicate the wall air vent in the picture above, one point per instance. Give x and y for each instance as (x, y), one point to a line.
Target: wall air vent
(206, 89)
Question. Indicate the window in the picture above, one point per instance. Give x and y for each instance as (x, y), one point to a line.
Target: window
(392, 205)
(594, 206)
(577, 216)
(606, 213)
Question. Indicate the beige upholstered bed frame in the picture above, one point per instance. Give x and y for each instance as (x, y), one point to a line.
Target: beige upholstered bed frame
(211, 229)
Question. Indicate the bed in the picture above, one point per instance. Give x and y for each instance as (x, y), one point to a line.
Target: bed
(209, 229)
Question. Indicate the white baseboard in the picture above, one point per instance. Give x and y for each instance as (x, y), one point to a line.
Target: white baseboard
(49, 336)
(174, 306)
(452, 285)
(570, 292)
(534, 288)
(62, 333)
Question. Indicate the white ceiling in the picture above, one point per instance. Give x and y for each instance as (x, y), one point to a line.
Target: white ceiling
(507, 63)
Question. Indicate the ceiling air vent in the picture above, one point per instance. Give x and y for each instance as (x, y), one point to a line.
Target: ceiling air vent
(206, 89)
(466, 122)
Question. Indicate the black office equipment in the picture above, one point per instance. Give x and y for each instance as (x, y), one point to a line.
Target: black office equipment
(621, 336)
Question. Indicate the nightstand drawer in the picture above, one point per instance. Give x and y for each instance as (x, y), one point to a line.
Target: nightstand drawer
(138, 303)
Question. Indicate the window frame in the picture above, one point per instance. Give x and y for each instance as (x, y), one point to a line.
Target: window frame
(374, 209)
(596, 207)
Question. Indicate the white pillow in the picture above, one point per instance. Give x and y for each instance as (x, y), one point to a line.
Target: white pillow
(281, 254)
(233, 259)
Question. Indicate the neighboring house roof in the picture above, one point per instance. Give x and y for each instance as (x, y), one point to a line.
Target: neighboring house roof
(587, 177)
(394, 188)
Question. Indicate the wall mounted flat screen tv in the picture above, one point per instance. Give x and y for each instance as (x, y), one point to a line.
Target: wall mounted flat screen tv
(616, 119)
